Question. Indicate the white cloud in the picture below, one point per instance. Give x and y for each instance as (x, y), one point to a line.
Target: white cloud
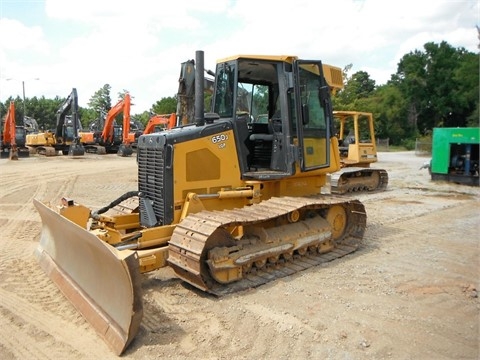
(17, 42)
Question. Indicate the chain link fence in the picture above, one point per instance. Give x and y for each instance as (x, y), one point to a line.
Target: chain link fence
(382, 144)
(423, 148)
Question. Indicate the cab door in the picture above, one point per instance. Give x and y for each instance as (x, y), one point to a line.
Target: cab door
(313, 105)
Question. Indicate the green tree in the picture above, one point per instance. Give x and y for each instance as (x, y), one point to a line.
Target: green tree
(166, 105)
(121, 95)
(467, 76)
(390, 111)
(358, 86)
(101, 101)
(144, 117)
(87, 116)
(410, 79)
(440, 86)
(44, 111)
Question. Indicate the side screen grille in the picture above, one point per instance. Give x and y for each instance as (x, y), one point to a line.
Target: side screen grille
(151, 177)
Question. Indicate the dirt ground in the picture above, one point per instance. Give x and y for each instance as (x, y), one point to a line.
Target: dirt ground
(410, 292)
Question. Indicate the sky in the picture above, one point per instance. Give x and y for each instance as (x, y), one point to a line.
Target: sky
(49, 47)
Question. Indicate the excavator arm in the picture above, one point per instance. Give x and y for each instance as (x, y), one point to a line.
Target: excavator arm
(107, 134)
(62, 135)
(9, 145)
(13, 137)
(31, 124)
(126, 119)
(70, 105)
(165, 121)
(121, 106)
(187, 89)
(9, 126)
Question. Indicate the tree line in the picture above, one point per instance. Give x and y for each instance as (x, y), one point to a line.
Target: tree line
(437, 86)
(434, 87)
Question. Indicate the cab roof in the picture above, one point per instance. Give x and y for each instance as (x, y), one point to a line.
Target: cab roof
(283, 58)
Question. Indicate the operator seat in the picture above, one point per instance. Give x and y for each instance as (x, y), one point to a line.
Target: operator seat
(261, 140)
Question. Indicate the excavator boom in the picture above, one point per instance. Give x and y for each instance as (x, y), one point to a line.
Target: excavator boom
(9, 125)
(108, 135)
(75, 148)
(165, 122)
(66, 136)
(13, 137)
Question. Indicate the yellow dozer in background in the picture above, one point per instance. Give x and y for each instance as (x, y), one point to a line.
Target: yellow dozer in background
(355, 131)
(358, 151)
(229, 203)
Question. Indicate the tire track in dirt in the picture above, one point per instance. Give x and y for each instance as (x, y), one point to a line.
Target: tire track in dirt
(376, 294)
(397, 220)
(439, 286)
(445, 274)
(19, 271)
(20, 224)
(21, 232)
(274, 323)
(37, 334)
(53, 184)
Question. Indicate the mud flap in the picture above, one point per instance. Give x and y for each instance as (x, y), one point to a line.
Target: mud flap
(102, 283)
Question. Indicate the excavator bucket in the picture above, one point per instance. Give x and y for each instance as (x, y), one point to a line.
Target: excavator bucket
(101, 282)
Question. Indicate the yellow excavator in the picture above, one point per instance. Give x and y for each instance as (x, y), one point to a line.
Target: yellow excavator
(228, 203)
(358, 151)
(65, 137)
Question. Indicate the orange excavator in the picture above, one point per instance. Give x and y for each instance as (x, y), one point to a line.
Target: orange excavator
(108, 140)
(162, 122)
(125, 148)
(13, 137)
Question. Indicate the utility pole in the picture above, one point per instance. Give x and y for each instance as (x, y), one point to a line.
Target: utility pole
(23, 95)
(24, 112)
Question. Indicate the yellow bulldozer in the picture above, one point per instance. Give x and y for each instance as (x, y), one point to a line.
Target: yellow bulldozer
(355, 131)
(229, 203)
(358, 150)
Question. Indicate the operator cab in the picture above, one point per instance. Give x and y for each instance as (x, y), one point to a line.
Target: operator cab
(281, 111)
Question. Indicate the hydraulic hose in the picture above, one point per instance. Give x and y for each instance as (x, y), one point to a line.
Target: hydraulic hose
(95, 214)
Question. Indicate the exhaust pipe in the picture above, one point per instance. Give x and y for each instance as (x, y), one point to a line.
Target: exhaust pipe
(199, 88)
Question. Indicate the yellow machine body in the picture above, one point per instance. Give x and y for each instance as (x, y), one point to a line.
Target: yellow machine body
(221, 200)
(358, 150)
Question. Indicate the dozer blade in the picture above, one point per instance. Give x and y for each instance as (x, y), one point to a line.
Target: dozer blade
(102, 283)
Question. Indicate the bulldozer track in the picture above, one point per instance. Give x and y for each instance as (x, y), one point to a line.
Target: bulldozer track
(187, 247)
(269, 274)
(339, 186)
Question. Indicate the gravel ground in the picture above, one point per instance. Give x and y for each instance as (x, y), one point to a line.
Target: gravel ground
(410, 292)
